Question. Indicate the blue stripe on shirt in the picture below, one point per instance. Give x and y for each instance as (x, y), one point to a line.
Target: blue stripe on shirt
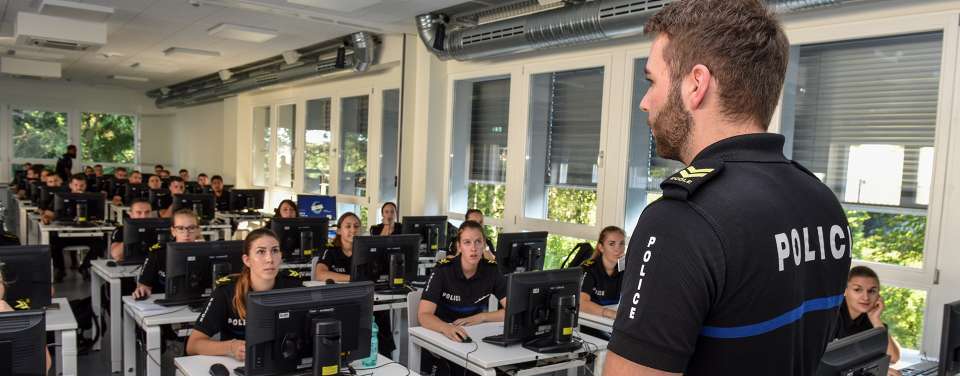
(812, 305)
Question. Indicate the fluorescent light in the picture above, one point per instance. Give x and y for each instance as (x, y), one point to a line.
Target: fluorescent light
(129, 78)
(154, 67)
(38, 55)
(76, 10)
(347, 6)
(242, 33)
(190, 53)
(291, 57)
(225, 74)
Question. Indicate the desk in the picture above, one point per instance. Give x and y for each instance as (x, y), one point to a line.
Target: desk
(597, 322)
(485, 358)
(150, 322)
(103, 274)
(217, 231)
(23, 207)
(199, 365)
(62, 322)
(115, 214)
(33, 228)
(100, 230)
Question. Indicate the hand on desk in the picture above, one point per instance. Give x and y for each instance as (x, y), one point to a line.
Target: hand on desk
(47, 217)
(238, 349)
(451, 331)
(117, 201)
(893, 372)
(472, 320)
(142, 291)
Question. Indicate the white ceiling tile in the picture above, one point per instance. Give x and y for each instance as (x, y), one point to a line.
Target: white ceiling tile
(180, 11)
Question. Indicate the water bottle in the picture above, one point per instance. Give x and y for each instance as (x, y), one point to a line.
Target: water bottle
(371, 361)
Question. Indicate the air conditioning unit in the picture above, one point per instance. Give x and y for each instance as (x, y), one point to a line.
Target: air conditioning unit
(40, 30)
(29, 68)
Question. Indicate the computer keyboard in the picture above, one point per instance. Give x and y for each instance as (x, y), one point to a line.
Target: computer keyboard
(920, 369)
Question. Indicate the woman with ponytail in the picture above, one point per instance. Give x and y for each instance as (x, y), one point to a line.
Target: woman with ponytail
(601, 279)
(226, 311)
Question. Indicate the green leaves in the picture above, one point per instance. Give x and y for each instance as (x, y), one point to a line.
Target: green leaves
(39, 134)
(107, 138)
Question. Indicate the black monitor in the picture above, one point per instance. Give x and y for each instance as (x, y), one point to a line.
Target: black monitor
(160, 198)
(78, 207)
(136, 192)
(116, 187)
(193, 187)
(862, 354)
(300, 238)
(33, 191)
(282, 325)
(521, 251)
(193, 268)
(542, 310)
(20, 179)
(432, 231)
(45, 201)
(390, 262)
(23, 343)
(950, 340)
(246, 199)
(26, 271)
(202, 204)
(141, 234)
(102, 182)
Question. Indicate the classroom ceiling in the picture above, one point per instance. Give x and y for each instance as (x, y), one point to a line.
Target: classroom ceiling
(139, 31)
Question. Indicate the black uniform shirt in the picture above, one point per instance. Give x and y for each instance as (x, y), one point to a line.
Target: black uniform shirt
(220, 316)
(604, 289)
(222, 202)
(847, 326)
(458, 297)
(117, 235)
(378, 228)
(154, 271)
(747, 253)
(335, 260)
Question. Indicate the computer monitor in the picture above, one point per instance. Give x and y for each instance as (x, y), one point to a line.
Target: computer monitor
(26, 271)
(950, 340)
(46, 196)
(521, 251)
(136, 192)
(202, 204)
(116, 187)
(78, 207)
(103, 182)
(317, 206)
(432, 231)
(141, 234)
(193, 187)
(33, 191)
(246, 199)
(193, 268)
(300, 238)
(542, 310)
(862, 354)
(390, 262)
(160, 199)
(282, 325)
(20, 179)
(23, 343)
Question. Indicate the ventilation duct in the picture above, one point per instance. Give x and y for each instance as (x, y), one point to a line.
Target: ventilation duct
(577, 22)
(355, 52)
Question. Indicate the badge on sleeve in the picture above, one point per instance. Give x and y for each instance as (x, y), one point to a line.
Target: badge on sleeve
(685, 182)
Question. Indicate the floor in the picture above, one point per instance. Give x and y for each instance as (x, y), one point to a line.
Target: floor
(96, 362)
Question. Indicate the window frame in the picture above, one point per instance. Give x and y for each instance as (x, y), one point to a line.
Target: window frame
(336, 128)
(136, 138)
(72, 134)
(301, 143)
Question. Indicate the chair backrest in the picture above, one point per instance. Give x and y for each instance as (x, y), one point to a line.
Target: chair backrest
(413, 306)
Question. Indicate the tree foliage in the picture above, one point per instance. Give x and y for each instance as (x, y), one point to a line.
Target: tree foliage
(107, 138)
(489, 198)
(39, 134)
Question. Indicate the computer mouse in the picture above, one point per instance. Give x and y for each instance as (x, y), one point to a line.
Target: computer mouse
(111, 263)
(464, 339)
(219, 370)
(139, 298)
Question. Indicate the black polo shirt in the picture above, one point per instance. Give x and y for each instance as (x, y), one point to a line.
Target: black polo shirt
(848, 326)
(335, 260)
(154, 271)
(219, 316)
(746, 253)
(222, 201)
(456, 296)
(604, 289)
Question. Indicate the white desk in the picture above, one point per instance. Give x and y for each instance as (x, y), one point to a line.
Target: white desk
(62, 322)
(101, 230)
(199, 365)
(217, 231)
(103, 274)
(485, 358)
(115, 214)
(150, 322)
(23, 207)
(33, 228)
(597, 322)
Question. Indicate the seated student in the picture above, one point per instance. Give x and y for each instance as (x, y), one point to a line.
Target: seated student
(78, 184)
(184, 174)
(89, 171)
(286, 209)
(862, 307)
(136, 177)
(154, 182)
(153, 276)
(120, 174)
(164, 174)
(226, 311)
(203, 181)
(177, 187)
(456, 295)
(5, 307)
(157, 169)
(601, 277)
(221, 196)
(33, 174)
(98, 170)
(389, 226)
(476, 215)
(139, 209)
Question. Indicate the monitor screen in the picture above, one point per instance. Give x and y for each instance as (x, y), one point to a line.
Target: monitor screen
(246, 199)
(202, 204)
(432, 231)
(139, 235)
(192, 269)
(136, 192)
(23, 343)
(390, 262)
(521, 251)
(160, 199)
(950, 340)
(542, 310)
(79, 207)
(863, 354)
(316, 206)
(300, 238)
(26, 272)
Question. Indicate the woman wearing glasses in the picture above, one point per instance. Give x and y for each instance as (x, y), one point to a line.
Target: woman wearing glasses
(152, 279)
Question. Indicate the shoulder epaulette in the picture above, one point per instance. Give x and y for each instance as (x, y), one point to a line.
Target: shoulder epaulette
(804, 169)
(682, 185)
(587, 263)
(293, 273)
(154, 247)
(491, 262)
(330, 243)
(443, 261)
(22, 304)
(226, 280)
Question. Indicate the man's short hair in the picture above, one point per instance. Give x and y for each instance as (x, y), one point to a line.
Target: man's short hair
(124, 169)
(740, 41)
(173, 179)
(80, 177)
(182, 170)
(160, 166)
(202, 175)
(472, 211)
(216, 177)
(139, 201)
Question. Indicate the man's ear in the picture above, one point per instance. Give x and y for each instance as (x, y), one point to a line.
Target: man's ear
(700, 81)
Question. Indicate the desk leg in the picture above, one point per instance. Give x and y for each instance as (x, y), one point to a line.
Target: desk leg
(68, 342)
(153, 350)
(129, 345)
(45, 237)
(58, 351)
(96, 283)
(227, 233)
(413, 356)
(598, 366)
(115, 313)
(23, 225)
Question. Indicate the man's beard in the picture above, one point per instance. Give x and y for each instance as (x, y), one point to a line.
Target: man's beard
(671, 127)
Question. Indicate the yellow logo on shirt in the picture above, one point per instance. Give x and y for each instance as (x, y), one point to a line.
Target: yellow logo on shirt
(22, 304)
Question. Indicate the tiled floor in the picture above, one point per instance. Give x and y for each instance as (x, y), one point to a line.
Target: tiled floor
(96, 362)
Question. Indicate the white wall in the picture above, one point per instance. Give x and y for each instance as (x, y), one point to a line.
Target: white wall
(197, 140)
(156, 140)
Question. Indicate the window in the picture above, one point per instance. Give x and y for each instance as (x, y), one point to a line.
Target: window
(564, 145)
(904, 314)
(354, 115)
(316, 173)
(108, 138)
(286, 121)
(558, 248)
(862, 117)
(39, 134)
(261, 145)
(390, 146)
(645, 170)
(478, 165)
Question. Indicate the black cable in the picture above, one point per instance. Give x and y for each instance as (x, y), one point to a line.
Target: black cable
(353, 370)
(466, 362)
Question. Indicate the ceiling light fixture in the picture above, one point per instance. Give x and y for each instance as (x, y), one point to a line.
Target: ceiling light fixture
(128, 78)
(242, 33)
(225, 75)
(291, 57)
(190, 52)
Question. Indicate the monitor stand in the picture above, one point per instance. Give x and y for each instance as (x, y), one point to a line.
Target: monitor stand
(546, 345)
